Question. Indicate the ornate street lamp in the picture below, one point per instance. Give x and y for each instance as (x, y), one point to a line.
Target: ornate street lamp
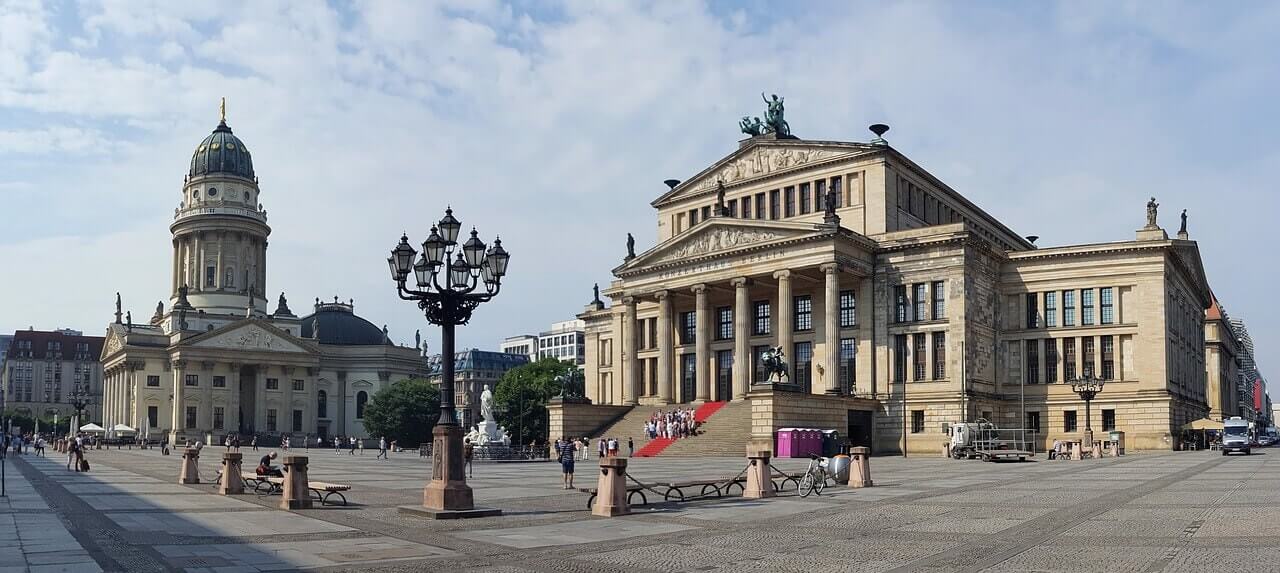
(1088, 387)
(451, 281)
(79, 399)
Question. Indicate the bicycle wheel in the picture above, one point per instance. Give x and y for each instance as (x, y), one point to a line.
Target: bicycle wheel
(806, 485)
(820, 483)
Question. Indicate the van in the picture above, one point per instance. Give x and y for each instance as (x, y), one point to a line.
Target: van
(1235, 435)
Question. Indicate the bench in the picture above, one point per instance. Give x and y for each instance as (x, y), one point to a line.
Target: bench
(632, 490)
(271, 485)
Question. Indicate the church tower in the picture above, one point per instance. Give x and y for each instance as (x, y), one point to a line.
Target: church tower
(220, 230)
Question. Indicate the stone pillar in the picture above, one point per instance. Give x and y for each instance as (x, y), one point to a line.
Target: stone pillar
(741, 339)
(630, 363)
(231, 482)
(296, 494)
(831, 329)
(611, 488)
(177, 413)
(783, 321)
(665, 390)
(198, 256)
(176, 273)
(860, 467)
(758, 484)
(190, 467)
(702, 346)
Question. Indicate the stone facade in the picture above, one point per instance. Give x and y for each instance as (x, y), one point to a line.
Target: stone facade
(904, 286)
(43, 368)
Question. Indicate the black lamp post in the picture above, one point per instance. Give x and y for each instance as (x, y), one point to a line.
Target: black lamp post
(79, 399)
(451, 282)
(1088, 387)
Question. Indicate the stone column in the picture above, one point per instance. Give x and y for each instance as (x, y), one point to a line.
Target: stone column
(702, 344)
(232, 419)
(831, 329)
(286, 388)
(741, 339)
(665, 349)
(175, 272)
(198, 251)
(783, 320)
(630, 364)
(177, 413)
(217, 274)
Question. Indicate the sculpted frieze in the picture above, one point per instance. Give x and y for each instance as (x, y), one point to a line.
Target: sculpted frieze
(114, 344)
(763, 161)
(250, 339)
(718, 240)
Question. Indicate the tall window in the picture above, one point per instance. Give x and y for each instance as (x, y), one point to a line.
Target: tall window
(918, 356)
(1069, 356)
(1088, 356)
(1050, 360)
(791, 202)
(762, 318)
(838, 190)
(939, 300)
(939, 355)
(1033, 421)
(1033, 310)
(848, 362)
(921, 301)
(191, 380)
(1108, 358)
(210, 275)
(1069, 420)
(732, 205)
(693, 217)
(1108, 309)
(1068, 308)
(900, 303)
(761, 208)
(804, 313)
(688, 327)
(775, 204)
(322, 404)
(1033, 362)
(218, 414)
(848, 309)
(299, 386)
(804, 198)
(688, 371)
(1086, 307)
(917, 421)
(1108, 420)
(1051, 309)
(153, 416)
(804, 363)
(191, 417)
(724, 323)
(362, 398)
(746, 207)
(297, 420)
(899, 357)
(271, 419)
(724, 375)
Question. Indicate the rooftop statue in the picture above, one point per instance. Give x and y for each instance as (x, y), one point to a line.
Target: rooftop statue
(751, 126)
(773, 117)
(631, 247)
(1152, 207)
(1183, 229)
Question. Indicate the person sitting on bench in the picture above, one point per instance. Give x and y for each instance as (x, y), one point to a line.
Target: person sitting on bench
(266, 469)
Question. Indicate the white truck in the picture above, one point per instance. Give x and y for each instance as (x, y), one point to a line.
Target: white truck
(982, 440)
(1235, 435)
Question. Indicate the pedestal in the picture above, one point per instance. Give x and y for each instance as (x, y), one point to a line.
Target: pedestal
(296, 494)
(190, 467)
(860, 467)
(231, 482)
(1086, 443)
(758, 473)
(448, 496)
(611, 488)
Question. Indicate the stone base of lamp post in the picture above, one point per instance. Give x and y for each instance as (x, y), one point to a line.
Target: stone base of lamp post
(1086, 442)
(448, 496)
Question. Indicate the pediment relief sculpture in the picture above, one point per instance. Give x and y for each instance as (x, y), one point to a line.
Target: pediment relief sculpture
(114, 344)
(718, 240)
(763, 161)
(250, 338)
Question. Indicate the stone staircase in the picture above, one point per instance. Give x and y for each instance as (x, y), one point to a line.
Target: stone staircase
(725, 432)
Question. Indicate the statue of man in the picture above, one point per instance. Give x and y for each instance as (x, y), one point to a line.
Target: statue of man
(160, 308)
(720, 197)
(1152, 206)
(417, 338)
(486, 403)
(631, 247)
(117, 308)
(128, 320)
(282, 302)
(831, 199)
(595, 291)
(1183, 229)
(774, 115)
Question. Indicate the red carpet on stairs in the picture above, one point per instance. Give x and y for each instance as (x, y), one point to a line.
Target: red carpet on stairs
(656, 445)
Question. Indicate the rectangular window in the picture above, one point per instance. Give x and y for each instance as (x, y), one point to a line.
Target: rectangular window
(724, 323)
(791, 202)
(688, 373)
(219, 381)
(1033, 421)
(153, 416)
(153, 381)
(939, 355)
(273, 384)
(706, 212)
(920, 300)
(191, 417)
(1068, 308)
(1108, 358)
(1033, 310)
(1050, 309)
(210, 273)
(757, 362)
(899, 357)
(218, 413)
(1088, 356)
(1069, 420)
(917, 421)
(733, 208)
(804, 365)
(1086, 307)
(900, 303)
(762, 318)
(724, 375)
(1108, 308)
(939, 300)
(191, 380)
(918, 356)
(1108, 420)
(848, 309)
(838, 191)
(805, 199)
(693, 217)
(1033, 362)
(761, 208)
(848, 358)
(297, 420)
(688, 327)
(1069, 359)
(819, 192)
(1050, 361)
(804, 313)
(299, 386)
(271, 419)
(775, 204)
(746, 207)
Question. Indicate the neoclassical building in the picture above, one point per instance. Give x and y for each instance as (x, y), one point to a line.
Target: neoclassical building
(215, 361)
(899, 304)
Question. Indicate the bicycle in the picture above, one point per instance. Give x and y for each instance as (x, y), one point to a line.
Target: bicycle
(815, 476)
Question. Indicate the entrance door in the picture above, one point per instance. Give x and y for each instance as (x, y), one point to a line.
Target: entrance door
(688, 377)
(248, 398)
(724, 375)
(859, 428)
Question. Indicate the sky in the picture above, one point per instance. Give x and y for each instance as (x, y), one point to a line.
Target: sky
(553, 125)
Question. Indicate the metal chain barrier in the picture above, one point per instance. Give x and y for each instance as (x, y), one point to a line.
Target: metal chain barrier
(675, 490)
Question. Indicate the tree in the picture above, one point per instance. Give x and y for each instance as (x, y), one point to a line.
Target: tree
(520, 400)
(405, 411)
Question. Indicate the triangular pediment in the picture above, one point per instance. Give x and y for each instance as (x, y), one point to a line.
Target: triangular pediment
(1188, 256)
(761, 158)
(113, 344)
(720, 235)
(251, 335)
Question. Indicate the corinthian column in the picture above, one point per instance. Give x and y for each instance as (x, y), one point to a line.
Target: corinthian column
(702, 346)
(784, 317)
(665, 389)
(630, 365)
(831, 329)
(741, 339)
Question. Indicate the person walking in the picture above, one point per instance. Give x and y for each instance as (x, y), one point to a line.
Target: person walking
(361, 442)
(613, 447)
(319, 442)
(337, 445)
(566, 449)
(468, 450)
(352, 451)
(583, 445)
(254, 443)
(603, 446)
(631, 448)
(382, 448)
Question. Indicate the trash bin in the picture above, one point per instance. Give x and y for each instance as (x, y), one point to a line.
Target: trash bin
(839, 468)
(830, 443)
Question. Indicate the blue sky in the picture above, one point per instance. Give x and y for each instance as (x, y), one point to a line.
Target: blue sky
(554, 125)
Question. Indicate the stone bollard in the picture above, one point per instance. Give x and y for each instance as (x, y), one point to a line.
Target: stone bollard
(1115, 449)
(296, 493)
(231, 481)
(1077, 451)
(758, 483)
(860, 467)
(190, 467)
(611, 488)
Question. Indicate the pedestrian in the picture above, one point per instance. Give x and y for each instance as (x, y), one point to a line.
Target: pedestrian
(40, 447)
(602, 446)
(352, 451)
(337, 445)
(306, 442)
(254, 442)
(235, 442)
(361, 442)
(613, 447)
(631, 448)
(468, 450)
(566, 448)
(382, 448)
(319, 442)
(286, 443)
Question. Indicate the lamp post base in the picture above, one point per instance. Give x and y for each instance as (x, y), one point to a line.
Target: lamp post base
(448, 496)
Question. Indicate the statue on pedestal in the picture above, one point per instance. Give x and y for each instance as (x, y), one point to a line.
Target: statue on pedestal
(1152, 208)
(1183, 230)
(631, 247)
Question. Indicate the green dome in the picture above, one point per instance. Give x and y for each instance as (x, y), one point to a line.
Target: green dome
(222, 153)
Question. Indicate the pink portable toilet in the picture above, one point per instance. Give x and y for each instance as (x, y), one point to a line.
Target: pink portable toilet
(786, 442)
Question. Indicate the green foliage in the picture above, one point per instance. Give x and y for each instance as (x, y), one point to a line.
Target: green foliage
(405, 411)
(520, 400)
(28, 423)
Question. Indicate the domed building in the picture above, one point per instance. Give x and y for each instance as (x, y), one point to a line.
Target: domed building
(214, 361)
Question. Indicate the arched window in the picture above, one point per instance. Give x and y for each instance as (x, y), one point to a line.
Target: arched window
(322, 404)
(362, 398)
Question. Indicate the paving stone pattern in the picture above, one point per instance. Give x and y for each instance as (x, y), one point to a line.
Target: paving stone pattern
(1146, 512)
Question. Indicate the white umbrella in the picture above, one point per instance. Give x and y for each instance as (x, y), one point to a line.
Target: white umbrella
(92, 428)
(123, 429)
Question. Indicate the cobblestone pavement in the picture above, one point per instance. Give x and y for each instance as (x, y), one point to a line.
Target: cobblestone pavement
(1146, 512)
